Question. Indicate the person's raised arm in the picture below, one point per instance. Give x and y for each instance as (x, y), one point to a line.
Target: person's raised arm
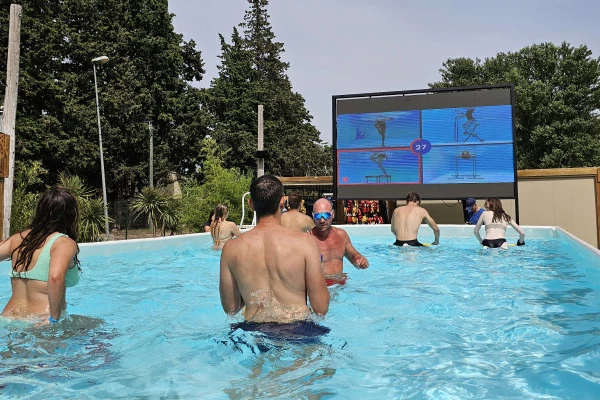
(316, 288)
(517, 228)
(434, 227)
(62, 254)
(5, 249)
(478, 227)
(236, 230)
(357, 259)
(231, 299)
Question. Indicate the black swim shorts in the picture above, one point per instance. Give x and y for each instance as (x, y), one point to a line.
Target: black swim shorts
(413, 242)
(493, 243)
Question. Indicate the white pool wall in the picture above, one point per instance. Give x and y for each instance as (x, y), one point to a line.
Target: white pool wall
(446, 233)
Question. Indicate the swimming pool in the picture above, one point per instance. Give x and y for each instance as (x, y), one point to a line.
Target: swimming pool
(453, 321)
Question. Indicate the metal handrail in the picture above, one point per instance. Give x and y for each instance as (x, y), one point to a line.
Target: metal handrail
(244, 211)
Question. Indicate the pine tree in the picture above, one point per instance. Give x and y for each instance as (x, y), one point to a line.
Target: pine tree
(252, 73)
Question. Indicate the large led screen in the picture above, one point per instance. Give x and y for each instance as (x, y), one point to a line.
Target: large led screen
(444, 144)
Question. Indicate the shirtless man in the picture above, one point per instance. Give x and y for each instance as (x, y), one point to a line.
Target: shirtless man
(407, 219)
(293, 218)
(334, 244)
(271, 269)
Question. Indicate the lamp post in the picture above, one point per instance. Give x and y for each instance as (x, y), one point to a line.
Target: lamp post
(101, 60)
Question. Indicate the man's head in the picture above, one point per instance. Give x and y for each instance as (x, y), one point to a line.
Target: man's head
(413, 197)
(266, 195)
(294, 201)
(470, 204)
(323, 214)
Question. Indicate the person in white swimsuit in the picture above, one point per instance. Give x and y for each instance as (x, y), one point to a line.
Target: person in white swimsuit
(222, 230)
(496, 221)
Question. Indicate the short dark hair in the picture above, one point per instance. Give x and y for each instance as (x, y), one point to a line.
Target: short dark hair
(413, 197)
(266, 193)
(294, 201)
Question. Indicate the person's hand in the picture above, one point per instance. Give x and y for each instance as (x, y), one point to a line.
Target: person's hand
(361, 262)
(435, 243)
(520, 242)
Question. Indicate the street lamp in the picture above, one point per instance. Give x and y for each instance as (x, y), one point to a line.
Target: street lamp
(101, 60)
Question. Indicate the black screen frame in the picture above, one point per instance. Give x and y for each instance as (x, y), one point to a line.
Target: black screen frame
(384, 101)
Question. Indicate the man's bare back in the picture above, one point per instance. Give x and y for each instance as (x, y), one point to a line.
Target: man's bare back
(271, 269)
(407, 219)
(297, 221)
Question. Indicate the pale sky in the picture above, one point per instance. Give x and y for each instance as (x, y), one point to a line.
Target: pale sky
(357, 46)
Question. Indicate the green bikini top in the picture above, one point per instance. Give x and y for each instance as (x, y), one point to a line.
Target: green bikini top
(40, 270)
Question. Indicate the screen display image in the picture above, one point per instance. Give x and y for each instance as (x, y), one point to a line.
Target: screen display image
(447, 145)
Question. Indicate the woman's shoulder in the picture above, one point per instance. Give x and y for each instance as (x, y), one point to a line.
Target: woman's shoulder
(61, 239)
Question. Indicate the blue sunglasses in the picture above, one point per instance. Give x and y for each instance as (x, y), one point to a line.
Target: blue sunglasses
(325, 215)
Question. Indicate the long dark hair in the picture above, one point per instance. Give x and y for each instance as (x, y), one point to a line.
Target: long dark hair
(220, 214)
(56, 211)
(495, 205)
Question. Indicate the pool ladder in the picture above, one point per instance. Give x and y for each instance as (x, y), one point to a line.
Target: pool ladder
(244, 213)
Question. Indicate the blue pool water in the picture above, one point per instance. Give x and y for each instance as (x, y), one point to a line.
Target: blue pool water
(447, 322)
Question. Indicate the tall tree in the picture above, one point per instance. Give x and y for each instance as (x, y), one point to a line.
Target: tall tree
(557, 100)
(252, 73)
(146, 80)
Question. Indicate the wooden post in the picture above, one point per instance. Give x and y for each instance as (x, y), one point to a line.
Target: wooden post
(10, 109)
(151, 161)
(261, 161)
(598, 207)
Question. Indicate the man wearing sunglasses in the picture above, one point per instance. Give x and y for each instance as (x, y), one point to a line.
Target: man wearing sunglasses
(334, 244)
(270, 269)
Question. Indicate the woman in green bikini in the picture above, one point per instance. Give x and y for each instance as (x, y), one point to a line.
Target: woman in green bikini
(44, 259)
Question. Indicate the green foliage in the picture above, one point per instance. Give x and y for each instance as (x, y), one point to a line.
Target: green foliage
(28, 184)
(252, 73)
(557, 100)
(221, 185)
(92, 222)
(146, 79)
(170, 216)
(151, 203)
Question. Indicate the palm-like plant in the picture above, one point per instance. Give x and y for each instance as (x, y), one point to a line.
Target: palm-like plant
(153, 203)
(91, 220)
(170, 216)
(91, 210)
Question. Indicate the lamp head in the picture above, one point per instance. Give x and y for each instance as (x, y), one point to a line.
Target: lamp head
(100, 60)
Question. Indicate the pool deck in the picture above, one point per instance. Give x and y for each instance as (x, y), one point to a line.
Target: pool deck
(447, 231)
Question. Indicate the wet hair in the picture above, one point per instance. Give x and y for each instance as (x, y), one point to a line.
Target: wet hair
(413, 197)
(56, 211)
(294, 201)
(495, 205)
(220, 214)
(266, 193)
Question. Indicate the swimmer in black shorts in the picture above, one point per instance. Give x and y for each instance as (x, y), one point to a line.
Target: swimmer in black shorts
(413, 242)
(493, 243)
(299, 332)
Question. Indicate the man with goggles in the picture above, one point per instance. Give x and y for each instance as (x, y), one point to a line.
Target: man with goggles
(334, 244)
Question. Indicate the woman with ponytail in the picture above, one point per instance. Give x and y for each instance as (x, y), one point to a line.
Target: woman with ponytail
(222, 230)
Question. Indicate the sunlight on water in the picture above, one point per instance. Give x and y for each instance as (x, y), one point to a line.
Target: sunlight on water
(452, 321)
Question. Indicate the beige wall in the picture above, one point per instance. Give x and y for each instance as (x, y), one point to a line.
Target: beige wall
(566, 202)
